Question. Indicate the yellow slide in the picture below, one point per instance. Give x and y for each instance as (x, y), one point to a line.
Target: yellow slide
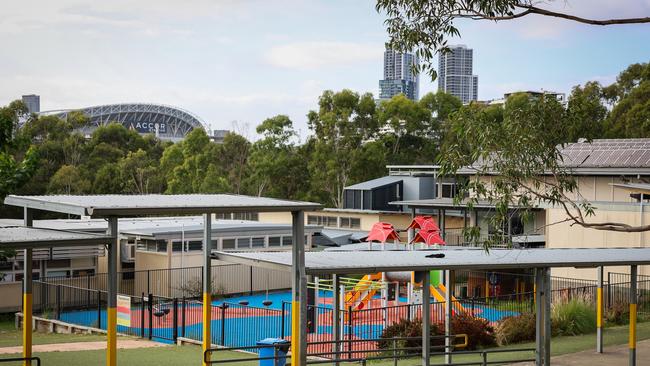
(363, 292)
(439, 294)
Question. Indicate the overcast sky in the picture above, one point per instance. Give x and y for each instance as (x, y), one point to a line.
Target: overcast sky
(246, 60)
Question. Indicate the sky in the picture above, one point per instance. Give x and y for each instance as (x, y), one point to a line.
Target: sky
(236, 62)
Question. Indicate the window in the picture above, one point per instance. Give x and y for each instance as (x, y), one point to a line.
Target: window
(228, 243)
(83, 272)
(194, 245)
(329, 221)
(257, 242)
(249, 216)
(275, 241)
(243, 243)
(287, 241)
(350, 222)
(448, 190)
(176, 246)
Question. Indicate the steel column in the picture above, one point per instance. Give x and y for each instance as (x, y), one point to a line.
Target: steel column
(28, 219)
(336, 319)
(448, 342)
(633, 286)
(599, 312)
(539, 317)
(547, 316)
(299, 291)
(207, 285)
(111, 302)
(426, 318)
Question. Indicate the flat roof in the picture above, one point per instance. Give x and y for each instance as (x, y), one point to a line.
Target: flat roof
(357, 262)
(218, 227)
(156, 204)
(376, 183)
(21, 237)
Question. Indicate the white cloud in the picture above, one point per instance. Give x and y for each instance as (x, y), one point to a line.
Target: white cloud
(316, 55)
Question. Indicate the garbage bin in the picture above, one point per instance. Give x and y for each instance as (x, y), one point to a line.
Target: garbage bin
(281, 349)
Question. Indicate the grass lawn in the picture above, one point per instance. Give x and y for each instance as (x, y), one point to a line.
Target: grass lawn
(191, 355)
(10, 336)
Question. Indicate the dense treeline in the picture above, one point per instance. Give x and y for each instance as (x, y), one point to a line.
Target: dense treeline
(352, 139)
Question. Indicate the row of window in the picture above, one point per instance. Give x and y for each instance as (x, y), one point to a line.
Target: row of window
(333, 221)
(12, 271)
(248, 216)
(247, 242)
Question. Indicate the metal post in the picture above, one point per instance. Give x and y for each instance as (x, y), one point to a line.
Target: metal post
(99, 309)
(57, 298)
(150, 305)
(28, 218)
(547, 316)
(175, 319)
(183, 307)
(426, 318)
(142, 311)
(350, 332)
(111, 302)
(223, 323)
(539, 318)
(207, 285)
(448, 348)
(633, 286)
(599, 312)
(282, 320)
(299, 291)
(336, 321)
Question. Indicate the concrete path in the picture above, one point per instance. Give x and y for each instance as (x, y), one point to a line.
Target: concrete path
(83, 346)
(613, 356)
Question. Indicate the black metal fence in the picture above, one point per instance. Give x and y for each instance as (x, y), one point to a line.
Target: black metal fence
(184, 282)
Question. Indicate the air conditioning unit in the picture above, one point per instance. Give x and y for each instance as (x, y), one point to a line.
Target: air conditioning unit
(128, 252)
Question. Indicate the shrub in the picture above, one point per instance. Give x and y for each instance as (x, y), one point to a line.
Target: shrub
(573, 318)
(516, 329)
(617, 314)
(479, 331)
(408, 328)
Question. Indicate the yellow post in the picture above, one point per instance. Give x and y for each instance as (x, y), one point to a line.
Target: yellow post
(111, 333)
(207, 306)
(487, 287)
(599, 312)
(295, 330)
(27, 327)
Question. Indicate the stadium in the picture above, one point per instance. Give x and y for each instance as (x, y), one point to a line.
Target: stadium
(166, 122)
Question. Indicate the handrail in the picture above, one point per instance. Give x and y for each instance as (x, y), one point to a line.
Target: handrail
(18, 359)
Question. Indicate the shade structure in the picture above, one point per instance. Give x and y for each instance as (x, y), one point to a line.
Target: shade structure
(428, 237)
(382, 232)
(419, 222)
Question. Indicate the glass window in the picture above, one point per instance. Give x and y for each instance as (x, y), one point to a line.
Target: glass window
(275, 241)
(58, 273)
(312, 220)
(195, 245)
(355, 223)
(161, 246)
(345, 222)
(228, 243)
(176, 246)
(58, 263)
(83, 272)
(287, 241)
(331, 221)
(243, 243)
(257, 242)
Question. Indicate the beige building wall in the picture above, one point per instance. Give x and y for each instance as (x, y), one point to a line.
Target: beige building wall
(566, 235)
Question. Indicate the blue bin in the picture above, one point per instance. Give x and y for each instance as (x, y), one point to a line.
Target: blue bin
(271, 351)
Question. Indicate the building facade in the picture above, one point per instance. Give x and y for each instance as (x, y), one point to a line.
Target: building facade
(455, 73)
(399, 77)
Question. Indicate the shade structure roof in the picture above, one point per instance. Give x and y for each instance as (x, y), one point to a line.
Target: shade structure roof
(21, 237)
(363, 262)
(634, 187)
(156, 204)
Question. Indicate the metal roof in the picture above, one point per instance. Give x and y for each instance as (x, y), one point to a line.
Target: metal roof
(376, 183)
(346, 262)
(20, 237)
(156, 204)
(634, 187)
(219, 228)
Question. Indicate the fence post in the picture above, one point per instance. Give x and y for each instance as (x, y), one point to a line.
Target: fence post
(251, 279)
(223, 323)
(609, 289)
(394, 352)
(58, 303)
(99, 309)
(183, 317)
(142, 310)
(175, 319)
(150, 305)
(484, 358)
(282, 322)
(149, 282)
(350, 332)
(88, 292)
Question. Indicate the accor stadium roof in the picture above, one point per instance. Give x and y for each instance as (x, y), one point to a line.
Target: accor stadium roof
(167, 122)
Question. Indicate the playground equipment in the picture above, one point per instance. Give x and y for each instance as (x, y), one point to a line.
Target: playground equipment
(428, 233)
